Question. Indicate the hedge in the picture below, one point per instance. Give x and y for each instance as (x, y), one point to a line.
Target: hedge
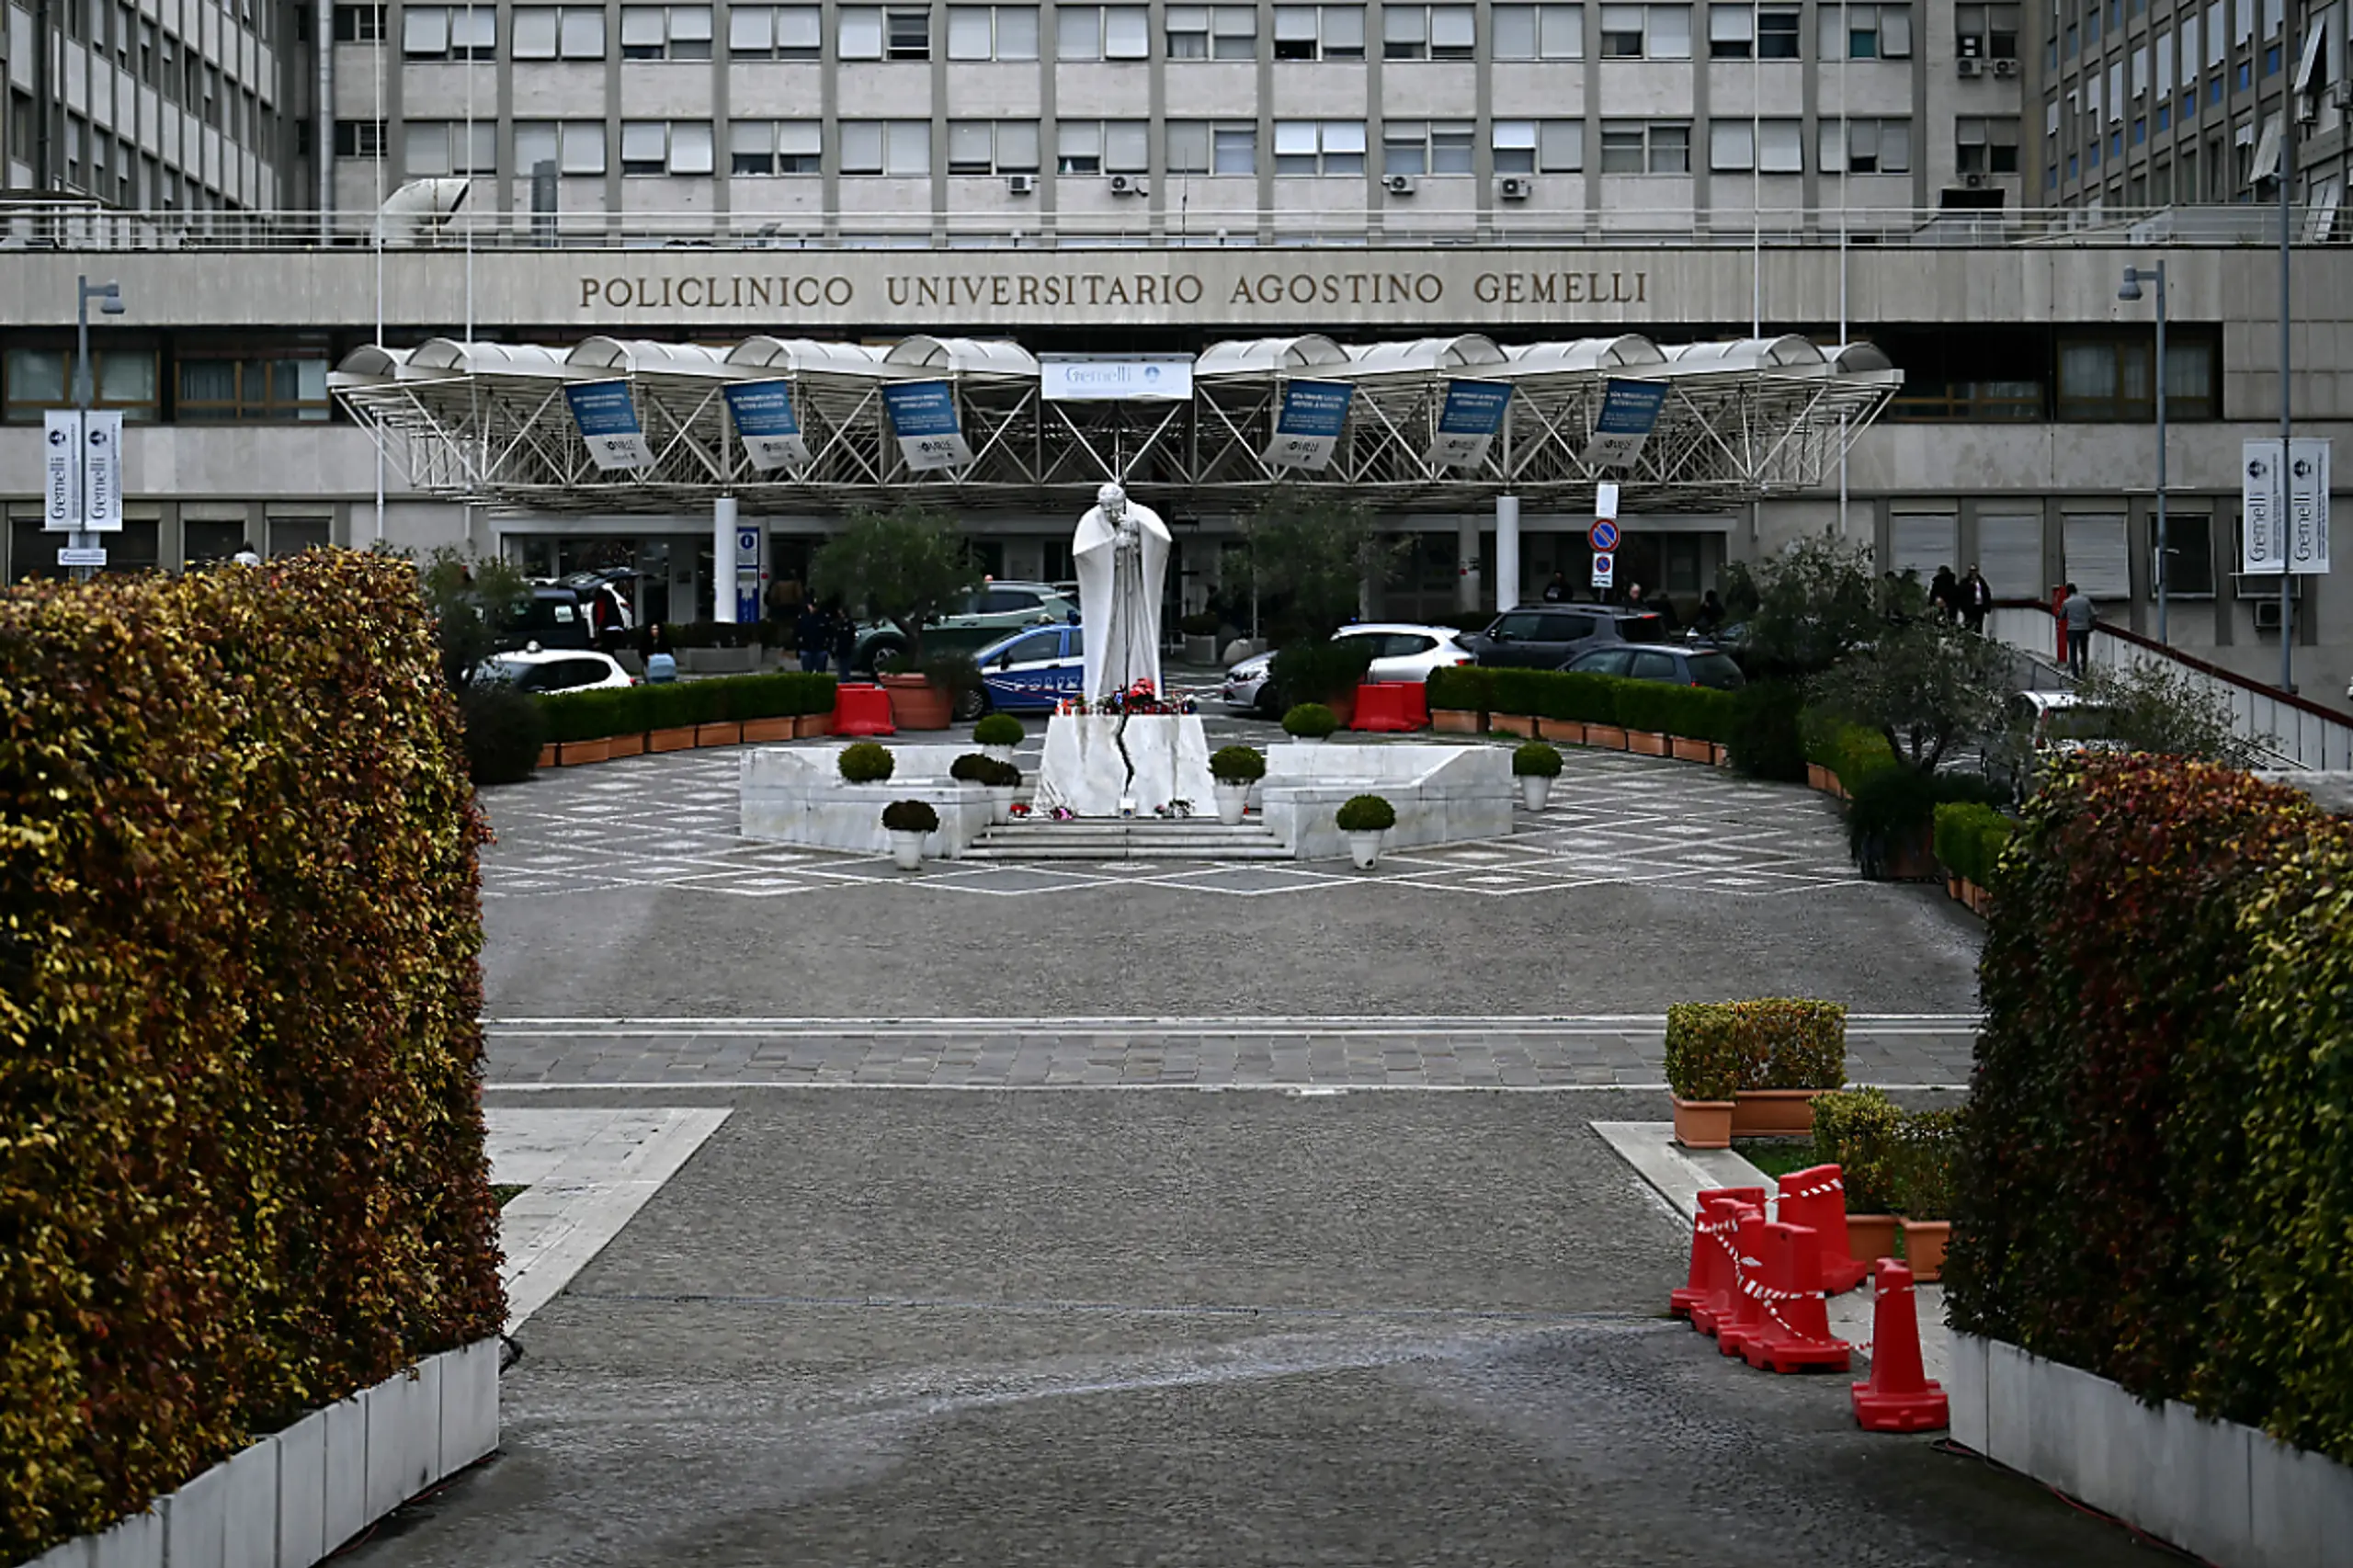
(1767, 1043)
(613, 710)
(1695, 712)
(242, 1171)
(1969, 838)
(2154, 1173)
(1465, 687)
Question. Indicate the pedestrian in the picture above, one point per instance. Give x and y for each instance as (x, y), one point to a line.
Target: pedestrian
(1664, 605)
(1976, 598)
(812, 636)
(1712, 613)
(2075, 611)
(845, 630)
(661, 664)
(246, 556)
(1634, 597)
(1557, 590)
(1944, 593)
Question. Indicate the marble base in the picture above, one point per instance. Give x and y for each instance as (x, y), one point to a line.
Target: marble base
(1444, 794)
(799, 796)
(1088, 758)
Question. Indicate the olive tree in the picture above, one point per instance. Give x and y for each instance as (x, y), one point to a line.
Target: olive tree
(1317, 554)
(902, 566)
(475, 601)
(2151, 709)
(1809, 606)
(1926, 685)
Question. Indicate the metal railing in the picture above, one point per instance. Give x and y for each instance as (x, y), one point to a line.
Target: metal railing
(79, 226)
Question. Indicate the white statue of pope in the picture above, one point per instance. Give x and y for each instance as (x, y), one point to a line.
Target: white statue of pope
(1121, 555)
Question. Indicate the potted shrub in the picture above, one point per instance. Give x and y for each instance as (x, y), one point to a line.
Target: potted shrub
(1457, 700)
(669, 719)
(1571, 701)
(1855, 1129)
(1200, 637)
(1641, 714)
(1793, 1050)
(866, 763)
(1535, 764)
(1925, 1145)
(1890, 818)
(1234, 770)
(1003, 780)
(997, 735)
(905, 566)
(1364, 818)
(1310, 724)
(910, 823)
(1513, 697)
(1703, 1068)
(763, 705)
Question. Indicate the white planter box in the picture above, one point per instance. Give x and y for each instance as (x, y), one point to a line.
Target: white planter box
(2224, 1491)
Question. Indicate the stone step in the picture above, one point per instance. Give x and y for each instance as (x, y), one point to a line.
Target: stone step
(1141, 839)
(1267, 849)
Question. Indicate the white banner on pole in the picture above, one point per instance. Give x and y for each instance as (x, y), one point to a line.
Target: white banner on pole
(2263, 546)
(1604, 499)
(62, 452)
(102, 472)
(2307, 515)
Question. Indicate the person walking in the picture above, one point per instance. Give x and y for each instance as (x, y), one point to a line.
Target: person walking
(1712, 613)
(661, 666)
(1944, 593)
(1557, 590)
(1976, 598)
(812, 636)
(844, 626)
(2075, 611)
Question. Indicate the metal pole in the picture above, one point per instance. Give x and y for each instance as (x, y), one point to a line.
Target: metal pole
(2287, 580)
(83, 388)
(2165, 554)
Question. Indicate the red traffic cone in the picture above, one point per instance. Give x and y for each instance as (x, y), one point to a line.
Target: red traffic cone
(1748, 1315)
(1708, 1253)
(1794, 1335)
(1898, 1397)
(1816, 1197)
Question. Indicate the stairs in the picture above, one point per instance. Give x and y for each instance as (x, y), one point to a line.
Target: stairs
(1137, 838)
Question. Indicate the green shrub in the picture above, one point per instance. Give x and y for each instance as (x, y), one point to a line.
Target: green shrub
(1366, 813)
(1894, 806)
(1238, 765)
(910, 816)
(1534, 759)
(242, 1166)
(970, 768)
(1969, 838)
(1571, 696)
(1777, 1043)
(667, 704)
(1311, 720)
(1855, 1129)
(1001, 775)
(595, 714)
(1200, 623)
(1703, 1053)
(1924, 1156)
(955, 674)
(1319, 672)
(1858, 754)
(997, 730)
(699, 702)
(1762, 732)
(1516, 691)
(1463, 688)
(779, 695)
(865, 762)
(503, 731)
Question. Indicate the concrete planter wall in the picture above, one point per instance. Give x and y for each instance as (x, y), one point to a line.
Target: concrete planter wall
(296, 1496)
(2226, 1492)
(1443, 794)
(800, 797)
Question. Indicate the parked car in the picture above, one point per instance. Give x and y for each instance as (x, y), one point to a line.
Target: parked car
(1547, 636)
(544, 670)
(1676, 665)
(2037, 728)
(1402, 652)
(556, 617)
(1031, 671)
(986, 615)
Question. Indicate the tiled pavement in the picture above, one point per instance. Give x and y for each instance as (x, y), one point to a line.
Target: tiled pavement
(1622, 1052)
(671, 823)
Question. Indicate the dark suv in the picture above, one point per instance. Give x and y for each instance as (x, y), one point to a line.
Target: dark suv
(1546, 637)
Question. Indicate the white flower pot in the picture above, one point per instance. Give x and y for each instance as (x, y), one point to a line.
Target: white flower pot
(1001, 803)
(1535, 789)
(1364, 848)
(1232, 800)
(1002, 754)
(1307, 740)
(906, 849)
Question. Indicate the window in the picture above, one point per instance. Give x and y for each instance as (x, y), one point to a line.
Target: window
(1415, 147)
(774, 147)
(991, 146)
(2189, 550)
(1762, 32)
(1645, 147)
(576, 147)
(1987, 32)
(358, 138)
(450, 32)
(1101, 32)
(1985, 146)
(444, 147)
(1646, 32)
(39, 379)
(1101, 147)
(360, 24)
(1231, 32)
(1537, 32)
(252, 391)
(2104, 378)
(1427, 32)
(1865, 146)
(775, 32)
(886, 147)
(992, 32)
(1319, 146)
(1539, 146)
(1867, 32)
(1318, 32)
(1770, 146)
(1202, 147)
(883, 32)
(666, 33)
(665, 147)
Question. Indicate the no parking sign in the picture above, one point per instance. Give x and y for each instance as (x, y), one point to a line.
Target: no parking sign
(1602, 536)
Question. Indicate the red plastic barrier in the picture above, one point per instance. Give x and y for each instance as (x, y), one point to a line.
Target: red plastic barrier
(1711, 1279)
(1395, 707)
(1747, 1316)
(1898, 1397)
(862, 711)
(1794, 1333)
(1816, 1197)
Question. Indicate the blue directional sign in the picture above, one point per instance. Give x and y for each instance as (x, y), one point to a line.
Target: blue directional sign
(931, 435)
(1308, 428)
(607, 419)
(1470, 420)
(1629, 412)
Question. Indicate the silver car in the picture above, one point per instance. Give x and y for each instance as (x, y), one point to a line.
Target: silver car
(1404, 653)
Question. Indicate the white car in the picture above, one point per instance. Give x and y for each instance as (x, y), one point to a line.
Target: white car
(1401, 653)
(544, 670)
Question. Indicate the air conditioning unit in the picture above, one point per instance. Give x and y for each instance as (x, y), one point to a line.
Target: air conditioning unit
(2266, 615)
(1398, 185)
(1969, 67)
(1514, 188)
(1021, 185)
(1974, 181)
(2006, 68)
(2341, 93)
(1128, 185)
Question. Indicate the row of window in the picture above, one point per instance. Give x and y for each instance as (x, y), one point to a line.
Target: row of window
(1767, 29)
(92, 161)
(1301, 147)
(207, 390)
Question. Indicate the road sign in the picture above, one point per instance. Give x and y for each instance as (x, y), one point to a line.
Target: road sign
(1604, 569)
(2306, 514)
(68, 555)
(1602, 536)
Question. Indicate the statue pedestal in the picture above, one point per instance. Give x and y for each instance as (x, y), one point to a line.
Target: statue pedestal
(1088, 758)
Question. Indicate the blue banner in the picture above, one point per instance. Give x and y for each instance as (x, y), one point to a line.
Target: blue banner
(923, 415)
(607, 416)
(764, 418)
(1629, 412)
(1469, 419)
(1308, 428)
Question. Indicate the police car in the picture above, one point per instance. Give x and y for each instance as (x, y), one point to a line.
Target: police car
(1033, 669)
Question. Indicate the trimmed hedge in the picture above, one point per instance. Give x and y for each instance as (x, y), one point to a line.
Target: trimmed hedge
(616, 710)
(242, 1171)
(1695, 712)
(1466, 687)
(504, 730)
(1856, 1131)
(2153, 1176)
(1763, 738)
(606, 710)
(1769, 1043)
(1969, 839)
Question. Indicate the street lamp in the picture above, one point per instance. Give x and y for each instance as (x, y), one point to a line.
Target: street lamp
(2133, 277)
(109, 298)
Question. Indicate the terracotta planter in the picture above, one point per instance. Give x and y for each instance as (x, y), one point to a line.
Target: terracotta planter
(1912, 858)
(628, 746)
(547, 754)
(1456, 721)
(1646, 743)
(1924, 1248)
(571, 754)
(725, 734)
(1773, 1113)
(807, 725)
(1817, 777)
(768, 729)
(1981, 900)
(1687, 750)
(915, 703)
(1871, 1237)
(1607, 736)
(1703, 1124)
(1952, 889)
(681, 738)
(1719, 754)
(1518, 724)
(1568, 731)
